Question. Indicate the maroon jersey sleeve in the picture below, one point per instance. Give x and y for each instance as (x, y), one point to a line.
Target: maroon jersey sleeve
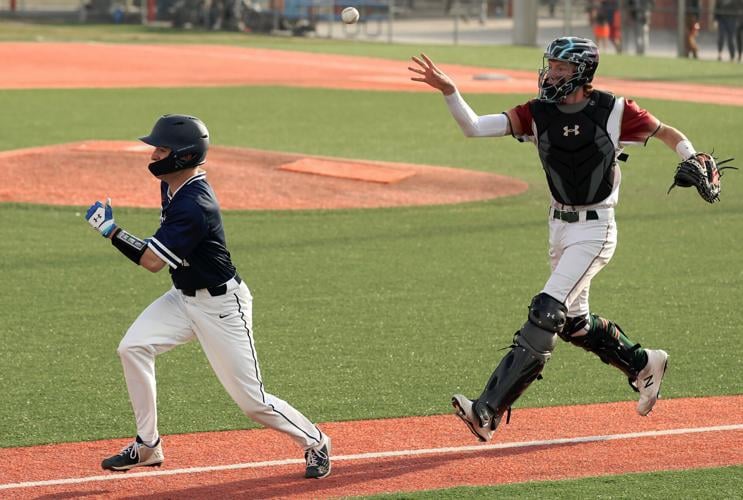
(638, 125)
(523, 115)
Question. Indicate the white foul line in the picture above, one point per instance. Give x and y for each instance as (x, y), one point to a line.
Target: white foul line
(381, 454)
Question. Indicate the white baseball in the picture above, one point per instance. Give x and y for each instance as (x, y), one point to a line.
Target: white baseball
(350, 15)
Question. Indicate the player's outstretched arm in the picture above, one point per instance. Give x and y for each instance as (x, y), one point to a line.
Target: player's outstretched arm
(471, 124)
(430, 74)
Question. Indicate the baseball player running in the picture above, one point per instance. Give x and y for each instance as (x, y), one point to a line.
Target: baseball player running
(579, 133)
(208, 301)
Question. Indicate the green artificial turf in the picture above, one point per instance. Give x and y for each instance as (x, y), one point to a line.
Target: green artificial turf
(722, 483)
(368, 313)
(358, 313)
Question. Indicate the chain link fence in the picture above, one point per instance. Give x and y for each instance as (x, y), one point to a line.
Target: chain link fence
(689, 28)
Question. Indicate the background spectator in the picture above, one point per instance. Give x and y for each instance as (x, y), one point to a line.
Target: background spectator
(727, 18)
(610, 9)
(739, 29)
(639, 12)
(599, 25)
(692, 29)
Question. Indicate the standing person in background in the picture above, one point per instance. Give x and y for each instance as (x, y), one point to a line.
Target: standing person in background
(579, 133)
(726, 16)
(208, 301)
(639, 12)
(692, 29)
(613, 16)
(551, 4)
(739, 29)
(599, 25)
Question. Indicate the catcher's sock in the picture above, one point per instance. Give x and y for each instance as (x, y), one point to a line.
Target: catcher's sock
(640, 359)
(607, 340)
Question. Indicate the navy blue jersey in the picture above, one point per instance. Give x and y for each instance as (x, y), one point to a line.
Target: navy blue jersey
(191, 237)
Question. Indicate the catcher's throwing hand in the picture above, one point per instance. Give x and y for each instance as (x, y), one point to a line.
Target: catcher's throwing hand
(704, 173)
(432, 75)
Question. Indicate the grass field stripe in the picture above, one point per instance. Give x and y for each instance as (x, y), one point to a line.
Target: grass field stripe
(382, 454)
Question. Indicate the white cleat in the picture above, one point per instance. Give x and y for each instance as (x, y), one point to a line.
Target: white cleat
(649, 379)
(463, 407)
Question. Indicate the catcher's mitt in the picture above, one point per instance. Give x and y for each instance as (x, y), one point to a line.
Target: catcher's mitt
(704, 173)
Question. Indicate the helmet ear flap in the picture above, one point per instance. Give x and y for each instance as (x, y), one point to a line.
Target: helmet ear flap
(186, 136)
(189, 156)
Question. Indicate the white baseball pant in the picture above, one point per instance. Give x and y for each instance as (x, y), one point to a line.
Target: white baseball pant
(223, 326)
(578, 251)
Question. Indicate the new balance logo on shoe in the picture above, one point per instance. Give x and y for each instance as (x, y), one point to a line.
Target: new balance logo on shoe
(645, 383)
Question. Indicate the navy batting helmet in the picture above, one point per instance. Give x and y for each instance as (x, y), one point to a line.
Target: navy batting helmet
(186, 136)
(581, 52)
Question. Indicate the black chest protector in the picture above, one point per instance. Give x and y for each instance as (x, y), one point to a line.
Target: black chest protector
(576, 151)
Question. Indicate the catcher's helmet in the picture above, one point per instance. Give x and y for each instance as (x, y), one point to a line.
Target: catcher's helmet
(581, 52)
(186, 136)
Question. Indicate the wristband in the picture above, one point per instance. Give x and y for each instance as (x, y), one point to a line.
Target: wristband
(131, 246)
(685, 150)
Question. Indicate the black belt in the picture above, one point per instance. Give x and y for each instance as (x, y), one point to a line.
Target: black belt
(214, 291)
(573, 216)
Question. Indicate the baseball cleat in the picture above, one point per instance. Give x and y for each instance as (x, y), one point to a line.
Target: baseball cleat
(136, 454)
(464, 409)
(318, 460)
(649, 379)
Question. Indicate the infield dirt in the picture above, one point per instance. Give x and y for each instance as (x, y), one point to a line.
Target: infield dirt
(398, 455)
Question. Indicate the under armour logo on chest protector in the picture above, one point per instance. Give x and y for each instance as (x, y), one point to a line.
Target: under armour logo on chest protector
(566, 131)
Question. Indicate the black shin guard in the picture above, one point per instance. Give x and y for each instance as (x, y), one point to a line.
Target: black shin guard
(607, 340)
(532, 347)
(515, 372)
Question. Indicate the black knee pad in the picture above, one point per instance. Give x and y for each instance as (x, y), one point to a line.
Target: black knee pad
(539, 342)
(548, 313)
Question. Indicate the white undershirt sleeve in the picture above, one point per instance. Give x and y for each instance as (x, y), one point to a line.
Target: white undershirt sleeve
(473, 125)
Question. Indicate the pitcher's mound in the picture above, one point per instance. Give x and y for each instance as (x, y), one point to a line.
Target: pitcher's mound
(245, 179)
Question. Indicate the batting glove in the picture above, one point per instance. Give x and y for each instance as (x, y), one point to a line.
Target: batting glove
(101, 217)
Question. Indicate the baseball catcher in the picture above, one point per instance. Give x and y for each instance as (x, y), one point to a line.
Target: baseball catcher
(703, 172)
(579, 133)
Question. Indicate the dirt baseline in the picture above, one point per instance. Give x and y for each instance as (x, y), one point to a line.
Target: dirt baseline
(397, 455)
(244, 179)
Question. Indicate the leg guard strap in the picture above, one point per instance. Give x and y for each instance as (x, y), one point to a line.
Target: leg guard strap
(607, 340)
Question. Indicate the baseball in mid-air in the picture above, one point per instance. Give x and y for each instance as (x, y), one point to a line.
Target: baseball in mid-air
(350, 15)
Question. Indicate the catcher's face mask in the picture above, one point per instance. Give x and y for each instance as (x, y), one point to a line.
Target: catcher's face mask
(555, 81)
